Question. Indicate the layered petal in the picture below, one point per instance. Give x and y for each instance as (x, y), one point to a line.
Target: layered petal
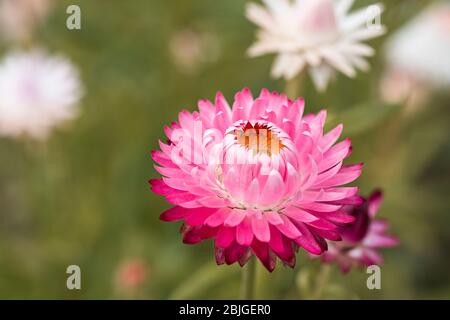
(260, 178)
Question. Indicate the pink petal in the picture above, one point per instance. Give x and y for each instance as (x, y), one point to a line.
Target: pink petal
(374, 202)
(244, 234)
(260, 228)
(273, 190)
(212, 201)
(174, 214)
(225, 236)
(322, 224)
(242, 103)
(252, 195)
(159, 187)
(235, 217)
(181, 198)
(288, 228)
(328, 174)
(336, 217)
(218, 218)
(328, 234)
(380, 241)
(308, 241)
(330, 138)
(282, 247)
(234, 253)
(299, 214)
(262, 251)
(346, 175)
(162, 159)
(198, 216)
(335, 155)
(320, 207)
(273, 218)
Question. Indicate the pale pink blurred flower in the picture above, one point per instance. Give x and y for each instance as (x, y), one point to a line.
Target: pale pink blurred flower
(400, 87)
(362, 239)
(421, 49)
(191, 50)
(18, 18)
(131, 274)
(320, 35)
(37, 93)
(260, 178)
(417, 58)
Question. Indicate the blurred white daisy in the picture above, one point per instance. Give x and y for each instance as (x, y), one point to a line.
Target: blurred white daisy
(37, 93)
(320, 35)
(18, 18)
(418, 56)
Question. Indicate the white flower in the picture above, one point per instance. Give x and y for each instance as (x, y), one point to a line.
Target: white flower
(421, 49)
(37, 92)
(320, 35)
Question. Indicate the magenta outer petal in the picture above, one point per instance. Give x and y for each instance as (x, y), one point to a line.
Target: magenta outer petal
(244, 233)
(374, 202)
(174, 214)
(225, 236)
(198, 216)
(262, 251)
(288, 228)
(218, 218)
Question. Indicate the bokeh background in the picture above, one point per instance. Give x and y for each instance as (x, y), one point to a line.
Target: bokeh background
(82, 197)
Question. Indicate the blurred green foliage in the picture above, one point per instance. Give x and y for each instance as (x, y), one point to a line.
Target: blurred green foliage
(84, 199)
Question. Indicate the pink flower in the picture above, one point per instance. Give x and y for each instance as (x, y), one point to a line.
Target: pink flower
(363, 238)
(259, 178)
(131, 274)
(19, 18)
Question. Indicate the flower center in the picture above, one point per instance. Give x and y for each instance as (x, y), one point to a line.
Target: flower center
(259, 138)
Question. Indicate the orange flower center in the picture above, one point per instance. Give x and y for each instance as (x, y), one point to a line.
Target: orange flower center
(259, 138)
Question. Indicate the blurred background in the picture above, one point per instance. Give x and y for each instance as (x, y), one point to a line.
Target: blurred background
(82, 196)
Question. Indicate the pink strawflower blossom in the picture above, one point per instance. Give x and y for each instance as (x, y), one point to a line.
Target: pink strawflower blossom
(362, 239)
(260, 178)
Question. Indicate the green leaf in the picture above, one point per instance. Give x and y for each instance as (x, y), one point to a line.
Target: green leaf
(361, 118)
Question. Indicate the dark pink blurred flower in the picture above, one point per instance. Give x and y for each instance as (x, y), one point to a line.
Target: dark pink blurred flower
(362, 239)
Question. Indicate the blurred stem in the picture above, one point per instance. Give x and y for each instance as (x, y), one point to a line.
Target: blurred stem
(321, 280)
(293, 87)
(201, 281)
(248, 280)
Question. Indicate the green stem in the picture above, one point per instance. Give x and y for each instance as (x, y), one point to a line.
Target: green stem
(293, 87)
(248, 280)
(201, 281)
